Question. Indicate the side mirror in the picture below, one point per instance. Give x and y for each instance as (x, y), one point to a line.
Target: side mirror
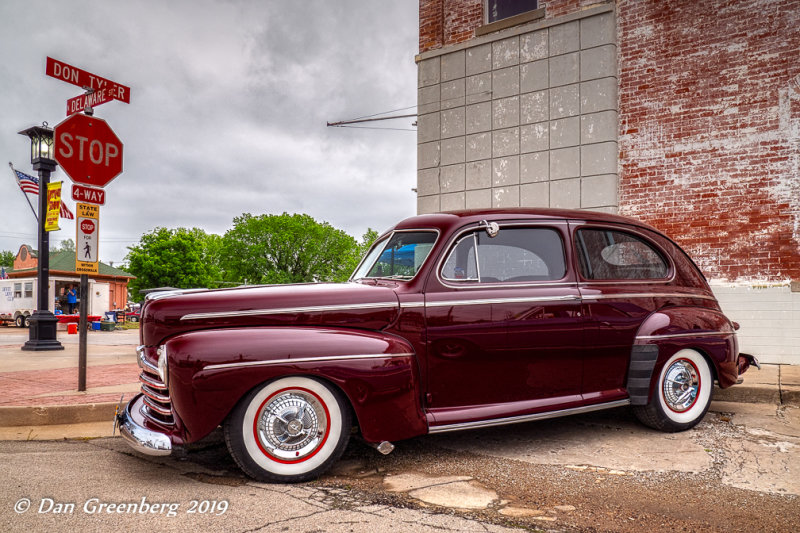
(492, 228)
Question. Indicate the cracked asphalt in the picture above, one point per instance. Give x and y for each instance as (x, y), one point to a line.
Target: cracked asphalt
(739, 470)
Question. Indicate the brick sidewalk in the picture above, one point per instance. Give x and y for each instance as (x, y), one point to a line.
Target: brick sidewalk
(104, 383)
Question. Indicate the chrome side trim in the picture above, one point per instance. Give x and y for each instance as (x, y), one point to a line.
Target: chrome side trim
(140, 438)
(527, 418)
(685, 335)
(307, 360)
(647, 295)
(289, 310)
(523, 299)
(412, 305)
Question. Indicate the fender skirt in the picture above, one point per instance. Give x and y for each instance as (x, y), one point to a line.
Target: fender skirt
(640, 372)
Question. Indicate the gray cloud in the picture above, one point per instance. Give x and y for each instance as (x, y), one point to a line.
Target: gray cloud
(228, 108)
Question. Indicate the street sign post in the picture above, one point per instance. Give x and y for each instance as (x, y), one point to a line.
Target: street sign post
(87, 238)
(90, 154)
(88, 150)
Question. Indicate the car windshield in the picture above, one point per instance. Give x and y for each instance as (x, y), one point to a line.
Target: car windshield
(399, 256)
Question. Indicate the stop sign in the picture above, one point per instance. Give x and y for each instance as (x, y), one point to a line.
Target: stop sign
(88, 150)
(87, 226)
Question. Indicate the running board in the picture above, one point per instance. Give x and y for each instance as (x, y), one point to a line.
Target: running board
(528, 418)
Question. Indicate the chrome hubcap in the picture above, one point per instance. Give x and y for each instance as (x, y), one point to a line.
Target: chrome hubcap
(292, 425)
(681, 385)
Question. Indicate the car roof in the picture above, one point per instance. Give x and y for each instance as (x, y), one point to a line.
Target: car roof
(449, 219)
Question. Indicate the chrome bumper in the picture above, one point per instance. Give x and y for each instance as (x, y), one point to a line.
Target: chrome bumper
(140, 438)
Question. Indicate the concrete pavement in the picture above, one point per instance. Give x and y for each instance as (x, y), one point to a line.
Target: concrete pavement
(39, 397)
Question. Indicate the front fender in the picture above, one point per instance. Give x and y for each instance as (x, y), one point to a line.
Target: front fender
(211, 370)
(669, 330)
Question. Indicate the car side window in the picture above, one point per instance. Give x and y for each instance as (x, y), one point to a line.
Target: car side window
(610, 254)
(513, 255)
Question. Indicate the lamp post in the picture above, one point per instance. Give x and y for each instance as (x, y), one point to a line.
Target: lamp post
(43, 321)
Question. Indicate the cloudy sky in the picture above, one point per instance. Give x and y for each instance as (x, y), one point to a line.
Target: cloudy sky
(229, 101)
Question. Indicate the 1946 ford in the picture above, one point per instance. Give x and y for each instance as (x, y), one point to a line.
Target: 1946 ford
(452, 321)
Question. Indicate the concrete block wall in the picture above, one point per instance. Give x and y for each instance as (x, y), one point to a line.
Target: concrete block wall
(769, 316)
(522, 117)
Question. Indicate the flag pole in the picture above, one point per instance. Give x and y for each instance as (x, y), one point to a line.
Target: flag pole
(23, 192)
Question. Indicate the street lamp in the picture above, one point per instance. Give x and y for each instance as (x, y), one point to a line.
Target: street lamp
(43, 321)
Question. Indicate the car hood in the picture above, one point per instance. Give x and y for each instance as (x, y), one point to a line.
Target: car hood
(314, 304)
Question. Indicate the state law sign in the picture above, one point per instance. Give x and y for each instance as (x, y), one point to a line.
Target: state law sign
(88, 150)
(87, 239)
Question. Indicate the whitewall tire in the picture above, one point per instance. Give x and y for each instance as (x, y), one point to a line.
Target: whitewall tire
(682, 394)
(288, 430)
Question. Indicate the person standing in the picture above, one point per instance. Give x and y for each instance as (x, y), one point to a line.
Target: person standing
(72, 299)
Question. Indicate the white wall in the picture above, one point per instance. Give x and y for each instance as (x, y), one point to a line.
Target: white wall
(769, 316)
(98, 303)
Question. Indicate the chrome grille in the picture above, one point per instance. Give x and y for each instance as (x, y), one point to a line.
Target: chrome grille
(157, 404)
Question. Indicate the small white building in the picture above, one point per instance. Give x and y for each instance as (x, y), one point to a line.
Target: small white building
(18, 293)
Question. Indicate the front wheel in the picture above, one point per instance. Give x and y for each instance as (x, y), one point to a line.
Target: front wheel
(682, 395)
(289, 430)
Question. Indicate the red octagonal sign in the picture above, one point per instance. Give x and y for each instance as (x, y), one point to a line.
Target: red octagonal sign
(88, 150)
(87, 226)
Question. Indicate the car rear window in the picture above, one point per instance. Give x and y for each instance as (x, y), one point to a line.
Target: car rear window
(611, 254)
(513, 255)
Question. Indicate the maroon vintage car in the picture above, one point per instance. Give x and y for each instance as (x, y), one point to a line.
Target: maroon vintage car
(452, 321)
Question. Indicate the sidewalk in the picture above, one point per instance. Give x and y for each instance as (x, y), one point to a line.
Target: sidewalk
(39, 396)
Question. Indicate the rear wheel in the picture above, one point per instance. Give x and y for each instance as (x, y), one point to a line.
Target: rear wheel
(289, 430)
(682, 396)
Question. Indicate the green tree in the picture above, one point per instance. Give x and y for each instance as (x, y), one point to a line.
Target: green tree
(287, 249)
(366, 241)
(171, 258)
(7, 258)
(67, 245)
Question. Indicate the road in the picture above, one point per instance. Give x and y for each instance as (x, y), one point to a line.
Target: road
(739, 470)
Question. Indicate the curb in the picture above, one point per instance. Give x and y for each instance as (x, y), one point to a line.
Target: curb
(45, 415)
(748, 394)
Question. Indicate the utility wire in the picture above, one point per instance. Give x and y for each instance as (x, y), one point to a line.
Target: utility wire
(386, 112)
(372, 128)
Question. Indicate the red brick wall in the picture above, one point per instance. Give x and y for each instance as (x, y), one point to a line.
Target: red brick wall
(444, 22)
(431, 24)
(709, 144)
(28, 262)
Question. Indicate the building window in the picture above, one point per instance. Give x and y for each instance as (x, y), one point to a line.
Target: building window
(503, 9)
(18, 290)
(29, 289)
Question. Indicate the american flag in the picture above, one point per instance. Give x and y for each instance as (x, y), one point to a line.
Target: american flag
(30, 184)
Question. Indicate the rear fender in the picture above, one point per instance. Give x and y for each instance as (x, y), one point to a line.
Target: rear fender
(667, 331)
(211, 370)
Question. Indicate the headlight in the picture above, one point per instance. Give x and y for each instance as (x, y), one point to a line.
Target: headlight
(162, 363)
